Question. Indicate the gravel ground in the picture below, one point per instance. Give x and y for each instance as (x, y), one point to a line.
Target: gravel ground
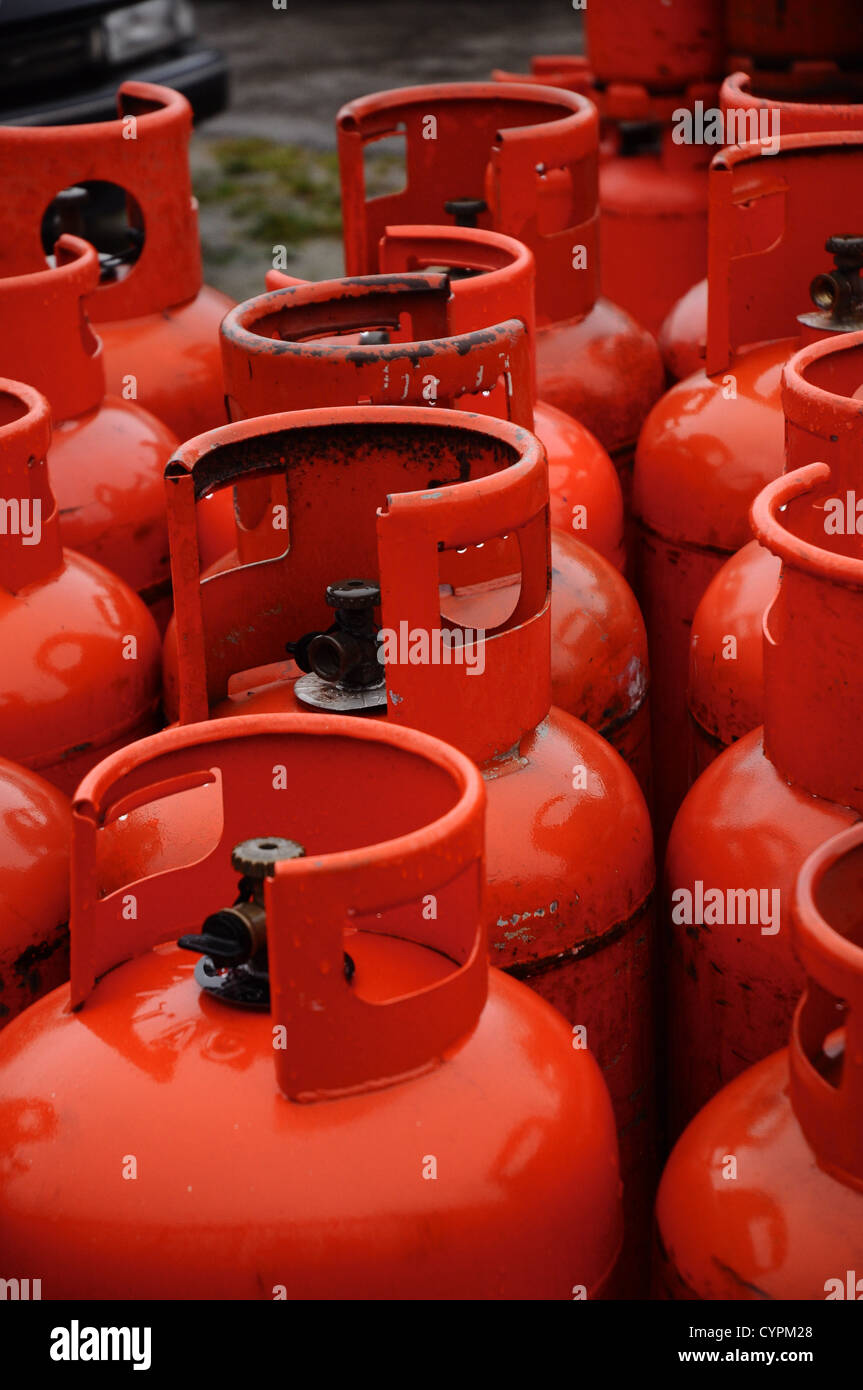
(264, 169)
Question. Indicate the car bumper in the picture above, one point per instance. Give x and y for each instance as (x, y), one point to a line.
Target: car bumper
(201, 74)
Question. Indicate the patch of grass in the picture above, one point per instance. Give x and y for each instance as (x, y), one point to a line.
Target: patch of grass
(219, 255)
(284, 194)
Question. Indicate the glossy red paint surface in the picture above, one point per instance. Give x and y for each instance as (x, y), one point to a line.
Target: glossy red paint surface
(546, 923)
(683, 334)
(653, 227)
(702, 457)
(599, 663)
(757, 812)
(159, 325)
(606, 371)
(808, 96)
(108, 455)
(583, 944)
(821, 397)
(581, 476)
(108, 465)
(36, 824)
(781, 1230)
(511, 1222)
(717, 437)
(71, 696)
(569, 850)
(761, 1198)
(726, 655)
(174, 357)
(734, 988)
(709, 446)
(599, 668)
(86, 671)
(502, 1102)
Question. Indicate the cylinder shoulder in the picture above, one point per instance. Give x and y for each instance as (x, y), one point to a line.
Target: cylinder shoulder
(87, 659)
(604, 369)
(302, 1192)
(744, 1210)
(708, 446)
(35, 836)
(741, 815)
(726, 654)
(600, 666)
(683, 335)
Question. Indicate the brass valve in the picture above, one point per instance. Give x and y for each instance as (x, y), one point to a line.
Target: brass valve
(238, 933)
(838, 294)
(233, 941)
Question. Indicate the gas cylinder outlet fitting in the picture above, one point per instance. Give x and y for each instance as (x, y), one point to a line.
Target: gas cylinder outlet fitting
(343, 670)
(465, 211)
(233, 941)
(838, 294)
(73, 212)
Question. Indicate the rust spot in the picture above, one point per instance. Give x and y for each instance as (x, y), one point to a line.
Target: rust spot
(588, 947)
(448, 455)
(26, 967)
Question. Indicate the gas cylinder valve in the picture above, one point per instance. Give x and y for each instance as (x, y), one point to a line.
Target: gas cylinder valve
(233, 941)
(343, 670)
(465, 211)
(838, 294)
(73, 212)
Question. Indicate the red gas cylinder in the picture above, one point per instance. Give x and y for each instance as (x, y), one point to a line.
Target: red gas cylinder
(652, 186)
(761, 1198)
(341, 1022)
(649, 68)
(822, 388)
(717, 437)
(108, 455)
(158, 324)
(80, 674)
(772, 33)
(522, 160)
(653, 64)
(403, 501)
(762, 106)
(754, 815)
(683, 335)
(282, 349)
(492, 278)
(571, 71)
(653, 44)
(36, 826)
(653, 197)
